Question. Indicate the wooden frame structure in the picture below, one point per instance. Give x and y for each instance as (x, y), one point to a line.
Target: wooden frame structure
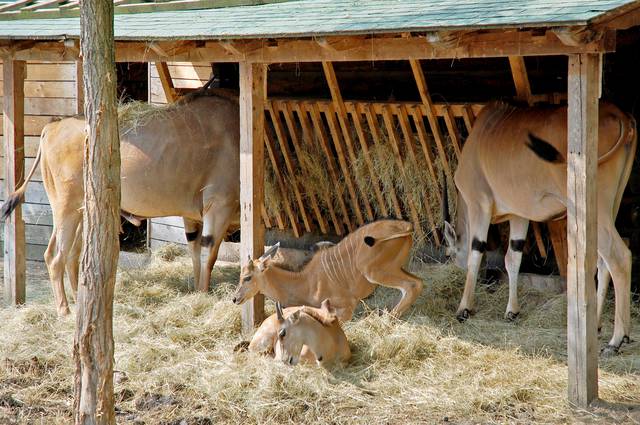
(582, 45)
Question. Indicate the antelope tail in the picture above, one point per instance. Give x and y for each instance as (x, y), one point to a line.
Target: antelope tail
(17, 197)
(371, 241)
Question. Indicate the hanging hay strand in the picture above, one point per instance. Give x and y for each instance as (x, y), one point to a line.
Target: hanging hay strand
(175, 363)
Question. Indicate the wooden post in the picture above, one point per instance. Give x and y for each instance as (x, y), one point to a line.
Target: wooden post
(79, 88)
(93, 340)
(166, 81)
(14, 239)
(582, 166)
(253, 93)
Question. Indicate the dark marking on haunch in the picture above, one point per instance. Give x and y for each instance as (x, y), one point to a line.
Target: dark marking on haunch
(544, 150)
(369, 240)
(206, 241)
(192, 236)
(320, 358)
(517, 245)
(478, 245)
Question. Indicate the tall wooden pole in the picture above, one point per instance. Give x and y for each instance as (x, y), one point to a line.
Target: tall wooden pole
(14, 239)
(253, 93)
(582, 167)
(93, 343)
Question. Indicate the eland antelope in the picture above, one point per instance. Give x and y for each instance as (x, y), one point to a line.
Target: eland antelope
(183, 162)
(345, 273)
(513, 168)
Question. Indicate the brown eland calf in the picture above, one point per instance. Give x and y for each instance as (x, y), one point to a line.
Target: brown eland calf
(307, 334)
(345, 273)
(528, 181)
(183, 161)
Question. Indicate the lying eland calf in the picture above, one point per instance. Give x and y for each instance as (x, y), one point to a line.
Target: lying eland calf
(345, 273)
(313, 335)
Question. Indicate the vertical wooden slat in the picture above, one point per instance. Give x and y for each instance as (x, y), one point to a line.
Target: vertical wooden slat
(356, 114)
(452, 127)
(582, 344)
(520, 78)
(374, 127)
(429, 107)
(408, 137)
(288, 162)
(468, 117)
(285, 109)
(14, 238)
(395, 145)
(558, 235)
(318, 125)
(338, 104)
(79, 88)
(253, 91)
(308, 138)
(166, 81)
(426, 149)
(334, 129)
(275, 165)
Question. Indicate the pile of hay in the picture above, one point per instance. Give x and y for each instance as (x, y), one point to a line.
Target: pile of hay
(175, 362)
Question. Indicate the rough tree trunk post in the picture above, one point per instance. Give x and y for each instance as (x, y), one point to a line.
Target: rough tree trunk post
(93, 344)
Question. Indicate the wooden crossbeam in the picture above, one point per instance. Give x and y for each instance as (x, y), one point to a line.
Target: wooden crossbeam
(14, 73)
(520, 78)
(309, 139)
(15, 5)
(43, 5)
(343, 119)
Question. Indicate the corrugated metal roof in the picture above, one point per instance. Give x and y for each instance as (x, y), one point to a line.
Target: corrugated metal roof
(327, 17)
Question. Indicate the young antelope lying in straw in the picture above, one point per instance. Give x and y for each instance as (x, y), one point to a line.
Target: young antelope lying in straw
(313, 335)
(345, 273)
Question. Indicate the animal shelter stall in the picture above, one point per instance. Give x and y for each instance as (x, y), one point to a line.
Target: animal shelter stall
(277, 133)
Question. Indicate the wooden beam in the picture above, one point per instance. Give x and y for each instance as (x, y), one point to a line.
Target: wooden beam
(253, 92)
(166, 81)
(520, 78)
(582, 166)
(13, 130)
(499, 43)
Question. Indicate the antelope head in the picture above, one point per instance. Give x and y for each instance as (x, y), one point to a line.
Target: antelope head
(252, 275)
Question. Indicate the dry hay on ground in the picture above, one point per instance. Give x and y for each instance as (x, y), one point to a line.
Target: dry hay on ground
(176, 365)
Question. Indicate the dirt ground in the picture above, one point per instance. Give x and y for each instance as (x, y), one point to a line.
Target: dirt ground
(175, 363)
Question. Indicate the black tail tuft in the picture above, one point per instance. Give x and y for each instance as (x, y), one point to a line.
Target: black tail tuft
(544, 150)
(11, 204)
(241, 347)
(369, 240)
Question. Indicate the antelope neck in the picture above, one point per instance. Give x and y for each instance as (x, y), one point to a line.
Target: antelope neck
(287, 287)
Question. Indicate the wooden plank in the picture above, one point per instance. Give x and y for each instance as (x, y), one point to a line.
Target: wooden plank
(65, 71)
(408, 137)
(270, 143)
(32, 252)
(33, 124)
(309, 139)
(48, 106)
(424, 145)
(169, 221)
(15, 5)
(395, 145)
(169, 233)
(558, 235)
(286, 111)
(35, 193)
(253, 93)
(166, 81)
(520, 78)
(537, 233)
(356, 115)
(25, 167)
(454, 133)
(186, 71)
(318, 125)
(35, 234)
(343, 120)
(469, 118)
(79, 86)
(62, 89)
(291, 168)
(374, 127)
(336, 136)
(432, 117)
(14, 227)
(582, 160)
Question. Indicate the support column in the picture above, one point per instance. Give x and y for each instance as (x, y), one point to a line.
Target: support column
(582, 167)
(14, 238)
(253, 93)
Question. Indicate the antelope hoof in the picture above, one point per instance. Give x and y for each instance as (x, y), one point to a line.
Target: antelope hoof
(511, 316)
(609, 351)
(626, 339)
(463, 315)
(599, 331)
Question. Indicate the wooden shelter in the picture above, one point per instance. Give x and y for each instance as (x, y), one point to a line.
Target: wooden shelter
(257, 33)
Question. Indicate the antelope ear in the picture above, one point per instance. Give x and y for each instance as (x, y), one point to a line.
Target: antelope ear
(270, 252)
(279, 313)
(449, 234)
(295, 317)
(263, 264)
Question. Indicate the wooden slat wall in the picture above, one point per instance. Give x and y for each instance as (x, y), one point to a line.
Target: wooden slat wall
(294, 124)
(49, 92)
(184, 75)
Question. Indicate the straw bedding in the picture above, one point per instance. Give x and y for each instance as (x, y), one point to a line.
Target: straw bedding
(175, 362)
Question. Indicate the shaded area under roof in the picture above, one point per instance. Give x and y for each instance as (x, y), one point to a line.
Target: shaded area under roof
(327, 17)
